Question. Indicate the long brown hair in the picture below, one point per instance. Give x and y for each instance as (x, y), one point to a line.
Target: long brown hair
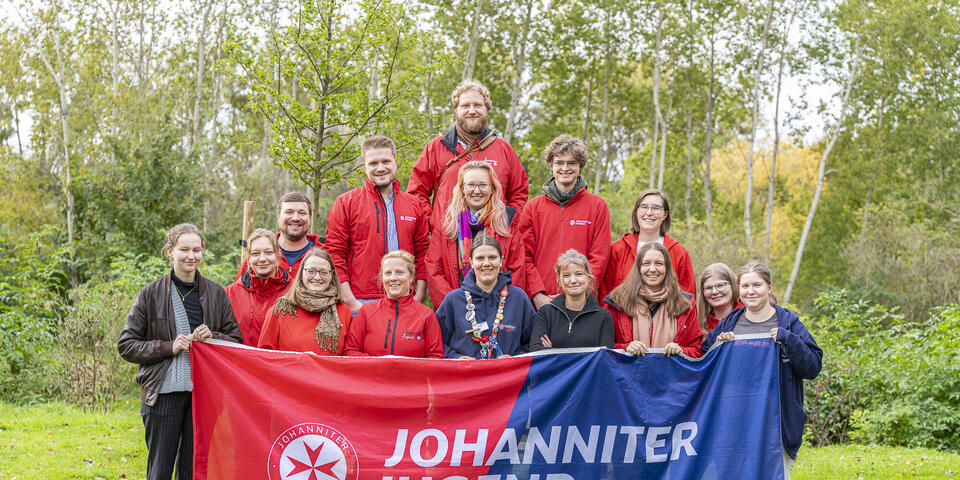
(498, 211)
(627, 294)
(722, 272)
(298, 285)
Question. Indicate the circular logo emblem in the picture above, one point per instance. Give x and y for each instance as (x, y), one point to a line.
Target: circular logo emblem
(312, 451)
(571, 222)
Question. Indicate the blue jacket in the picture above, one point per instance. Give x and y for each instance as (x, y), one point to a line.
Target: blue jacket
(800, 358)
(514, 334)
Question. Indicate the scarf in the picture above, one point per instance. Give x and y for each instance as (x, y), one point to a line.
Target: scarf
(661, 329)
(327, 333)
(468, 222)
(467, 138)
(553, 193)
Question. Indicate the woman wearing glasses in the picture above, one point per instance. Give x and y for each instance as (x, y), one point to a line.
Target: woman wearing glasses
(650, 222)
(310, 317)
(719, 295)
(476, 208)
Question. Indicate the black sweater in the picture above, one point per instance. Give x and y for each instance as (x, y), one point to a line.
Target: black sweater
(590, 327)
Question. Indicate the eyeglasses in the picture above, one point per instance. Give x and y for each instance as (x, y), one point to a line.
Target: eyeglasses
(716, 288)
(313, 272)
(483, 187)
(643, 207)
(566, 164)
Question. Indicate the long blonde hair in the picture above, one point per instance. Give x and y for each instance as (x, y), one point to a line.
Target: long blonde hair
(498, 210)
(627, 296)
(722, 272)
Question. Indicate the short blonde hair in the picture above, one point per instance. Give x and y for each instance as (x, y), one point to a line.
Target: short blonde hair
(573, 256)
(404, 255)
(471, 86)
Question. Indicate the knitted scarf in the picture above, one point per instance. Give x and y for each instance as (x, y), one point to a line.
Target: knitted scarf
(327, 333)
(466, 137)
(553, 193)
(661, 329)
(467, 220)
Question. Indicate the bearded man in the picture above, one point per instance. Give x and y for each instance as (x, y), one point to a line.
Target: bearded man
(435, 172)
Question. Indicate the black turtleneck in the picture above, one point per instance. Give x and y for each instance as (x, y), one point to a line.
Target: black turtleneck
(190, 293)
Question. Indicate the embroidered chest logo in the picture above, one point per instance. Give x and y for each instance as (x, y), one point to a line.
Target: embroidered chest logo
(312, 451)
(408, 218)
(579, 223)
(412, 336)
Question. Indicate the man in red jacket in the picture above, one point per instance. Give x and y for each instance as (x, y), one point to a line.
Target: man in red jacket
(435, 172)
(566, 216)
(367, 222)
(293, 219)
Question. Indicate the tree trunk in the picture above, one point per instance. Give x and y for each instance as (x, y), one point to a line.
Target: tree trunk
(755, 112)
(472, 46)
(821, 170)
(518, 75)
(656, 99)
(586, 113)
(604, 141)
(201, 59)
(708, 137)
(686, 192)
(664, 127)
(16, 126)
(653, 151)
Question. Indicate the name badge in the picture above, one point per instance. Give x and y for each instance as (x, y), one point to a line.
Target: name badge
(480, 328)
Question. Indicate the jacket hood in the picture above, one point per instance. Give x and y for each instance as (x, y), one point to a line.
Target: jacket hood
(470, 284)
(450, 139)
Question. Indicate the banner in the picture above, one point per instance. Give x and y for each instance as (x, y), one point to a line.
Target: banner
(262, 414)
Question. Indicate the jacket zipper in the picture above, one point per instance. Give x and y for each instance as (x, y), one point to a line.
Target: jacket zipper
(386, 336)
(396, 319)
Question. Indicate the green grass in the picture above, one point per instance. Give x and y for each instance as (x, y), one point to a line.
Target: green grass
(58, 441)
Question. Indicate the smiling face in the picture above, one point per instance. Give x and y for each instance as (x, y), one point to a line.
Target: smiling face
(565, 170)
(574, 280)
(718, 292)
(486, 264)
(477, 188)
(396, 277)
(186, 254)
(754, 291)
(294, 220)
(317, 273)
(380, 164)
(653, 269)
(650, 213)
(471, 112)
(263, 258)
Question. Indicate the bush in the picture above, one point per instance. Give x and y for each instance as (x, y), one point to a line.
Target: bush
(885, 379)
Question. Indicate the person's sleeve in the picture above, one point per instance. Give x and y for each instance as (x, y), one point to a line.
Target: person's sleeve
(434, 342)
(355, 335)
(710, 339)
(446, 322)
(437, 282)
(528, 234)
(599, 252)
(338, 237)
(690, 337)
(520, 269)
(798, 345)
(622, 337)
(421, 243)
(422, 181)
(226, 327)
(519, 188)
(527, 325)
(538, 330)
(270, 333)
(685, 275)
(607, 336)
(132, 344)
(608, 282)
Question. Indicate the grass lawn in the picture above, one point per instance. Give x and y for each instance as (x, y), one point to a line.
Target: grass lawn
(57, 441)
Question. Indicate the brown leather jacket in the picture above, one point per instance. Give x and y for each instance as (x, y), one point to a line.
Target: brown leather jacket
(148, 334)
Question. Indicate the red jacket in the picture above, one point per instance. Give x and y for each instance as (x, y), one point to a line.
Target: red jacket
(425, 180)
(688, 336)
(550, 229)
(357, 235)
(290, 269)
(623, 253)
(402, 327)
(297, 332)
(252, 297)
(443, 264)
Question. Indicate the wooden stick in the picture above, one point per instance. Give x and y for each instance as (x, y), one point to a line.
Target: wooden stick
(248, 219)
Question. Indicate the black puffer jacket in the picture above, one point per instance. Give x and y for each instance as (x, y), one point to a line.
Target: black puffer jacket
(148, 334)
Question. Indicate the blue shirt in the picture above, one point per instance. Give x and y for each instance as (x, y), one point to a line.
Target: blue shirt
(393, 240)
(293, 255)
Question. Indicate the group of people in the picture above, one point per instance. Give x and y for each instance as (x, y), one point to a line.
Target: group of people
(505, 276)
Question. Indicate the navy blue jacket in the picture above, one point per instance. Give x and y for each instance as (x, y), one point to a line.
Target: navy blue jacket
(514, 333)
(800, 358)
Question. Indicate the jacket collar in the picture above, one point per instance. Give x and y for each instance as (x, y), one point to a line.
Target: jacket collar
(450, 139)
(369, 187)
(402, 301)
(560, 301)
(255, 282)
(553, 193)
(470, 284)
